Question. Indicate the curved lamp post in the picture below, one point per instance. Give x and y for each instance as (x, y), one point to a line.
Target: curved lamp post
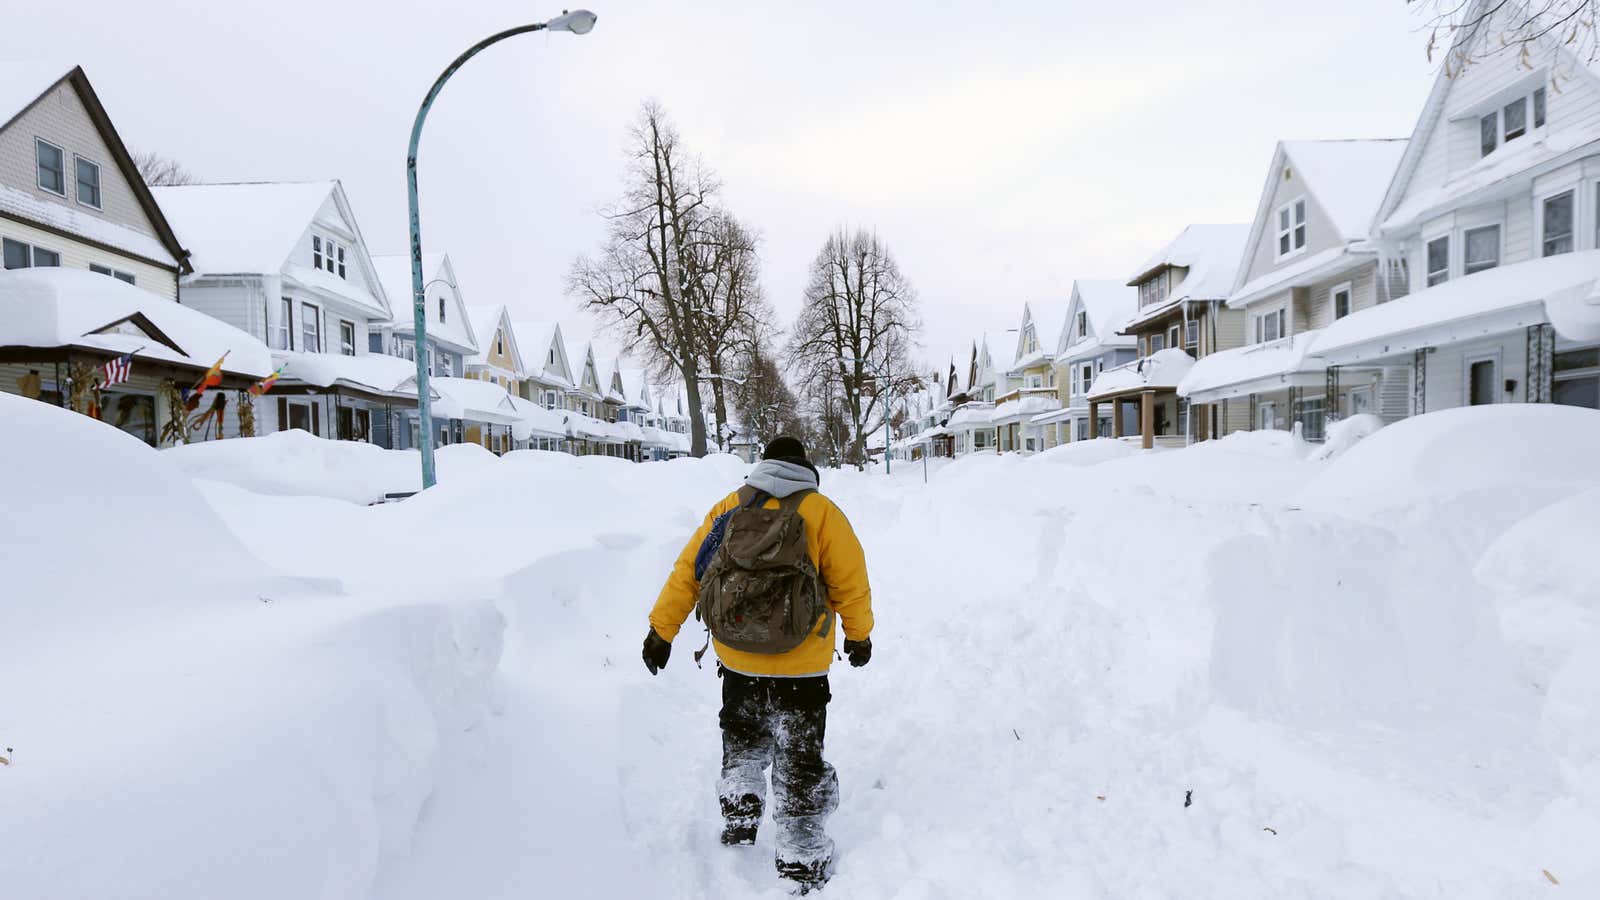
(578, 22)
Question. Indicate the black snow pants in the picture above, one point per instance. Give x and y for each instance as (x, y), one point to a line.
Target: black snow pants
(779, 722)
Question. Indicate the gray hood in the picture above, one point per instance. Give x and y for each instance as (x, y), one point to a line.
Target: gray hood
(779, 478)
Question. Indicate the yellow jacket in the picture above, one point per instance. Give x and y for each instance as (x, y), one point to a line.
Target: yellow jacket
(837, 554)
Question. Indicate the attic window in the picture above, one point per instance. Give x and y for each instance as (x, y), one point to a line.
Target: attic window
(441, 310)
(1083, 324)
(1291, 221)
(52, 167)
(1288, 174)
(327, 254)
(1499, 127)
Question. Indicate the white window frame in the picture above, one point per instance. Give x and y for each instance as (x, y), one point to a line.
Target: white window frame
(1279, 315)
(1538, 218)
(1500, 245)
(1191, 334)
(1367, 391)
(1531, 126)
(33, 251)
(1083, 324)
(1497, 387)
(286, 323)
(99, 183)
(38, 169)
(315, 320)
(343, 324)
(1449, 257)
(1296, 206)
(1349, 290)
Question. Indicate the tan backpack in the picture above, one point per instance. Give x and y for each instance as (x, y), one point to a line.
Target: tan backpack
(760, 592)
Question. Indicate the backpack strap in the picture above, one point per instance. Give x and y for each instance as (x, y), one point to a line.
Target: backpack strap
(750, 498)
(791, 503)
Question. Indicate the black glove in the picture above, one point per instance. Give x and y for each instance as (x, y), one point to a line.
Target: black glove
(860, 652)
(656, 651)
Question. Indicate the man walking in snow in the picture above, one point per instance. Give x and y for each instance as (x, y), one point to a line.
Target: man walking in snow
(770, 570)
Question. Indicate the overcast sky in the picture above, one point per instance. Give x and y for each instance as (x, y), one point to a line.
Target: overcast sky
(1001, 152)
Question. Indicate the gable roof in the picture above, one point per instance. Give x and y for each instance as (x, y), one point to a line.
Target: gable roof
(540, 338)
(485, 319)
(1348, 178)
(1109, 304)
(635, 388)
(243, 228)
(24, 84)
(581, 356)
(394, 273)
(1433, 108)
(1211, 253)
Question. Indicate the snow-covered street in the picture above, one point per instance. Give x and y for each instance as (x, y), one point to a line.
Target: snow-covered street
(1367, 679)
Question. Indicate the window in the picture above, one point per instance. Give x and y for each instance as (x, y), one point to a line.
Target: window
(552, 360)
(1557, 232)
(52, 167)
(1156, 289)
(1341, 301)
(549, 399)
(1172, 336)
(283, 339)
(1515, 118)
(347, 338)
(374, 342)
(1191, 333)
(1576, 379)
(327, 255)
(444, 364)
(114, 273)
(1156, 344)
(88, 182)
(310, 328)
(1270, 327)
(1502, 126)
(1088, 378)
(341, 273)
(1035, 382)
(441, 310)
(1083, 324)
(1291, 228)
(1538, 108)
(1482, 249)
(1313, 418)
(1361, 401)
(316, 252)
(1438, 260)
(1488, 133)
(18, 255)
(1481, 382)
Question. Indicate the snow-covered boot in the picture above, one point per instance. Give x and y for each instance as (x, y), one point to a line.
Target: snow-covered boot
(741, 817)
(806, 876)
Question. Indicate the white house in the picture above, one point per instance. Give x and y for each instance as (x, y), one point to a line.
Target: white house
(285, 262)
(1030, 381)
(451, 341)
(1307, 264)
(1090, 342)
(1493, 216)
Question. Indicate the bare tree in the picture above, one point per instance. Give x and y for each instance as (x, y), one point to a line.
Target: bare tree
(645, 283)
(161, 170)
(1464, 32)
(857, 326)
(763, 400)
(735, 316)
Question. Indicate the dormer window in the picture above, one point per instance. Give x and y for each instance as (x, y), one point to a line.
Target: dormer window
(1156, 289)
(327, 254)
(1291, 228)
(1501, 126)
(1083, 324)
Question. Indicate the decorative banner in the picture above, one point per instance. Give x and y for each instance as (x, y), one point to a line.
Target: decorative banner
(265, 384)
(211, 379)
(218, 408)
(247, 413)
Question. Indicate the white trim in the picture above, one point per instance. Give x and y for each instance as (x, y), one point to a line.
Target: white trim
(1539, 201)
(1426, 270)
(99, 183)
(1348, 287)
(36, 167)
(1499, 251)
(1279, 232)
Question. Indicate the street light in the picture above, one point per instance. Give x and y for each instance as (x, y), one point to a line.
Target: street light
(579, 21)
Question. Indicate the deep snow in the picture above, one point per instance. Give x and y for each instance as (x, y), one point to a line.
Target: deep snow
(1376, 674)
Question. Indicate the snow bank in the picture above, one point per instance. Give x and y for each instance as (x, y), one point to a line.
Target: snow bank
(297, 463)
(186, 722)
(1346, 433)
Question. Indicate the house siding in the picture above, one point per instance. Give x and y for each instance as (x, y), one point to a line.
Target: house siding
(78, 255)
(1320, 231)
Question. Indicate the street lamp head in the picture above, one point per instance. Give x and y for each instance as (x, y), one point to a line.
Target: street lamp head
(578, 21)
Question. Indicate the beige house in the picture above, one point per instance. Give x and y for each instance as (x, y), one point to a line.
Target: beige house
(1030, 382)
(1308, 264)
(1180, 317)
(70, 194)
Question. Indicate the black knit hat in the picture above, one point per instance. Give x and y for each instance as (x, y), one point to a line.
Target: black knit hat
(790, 450)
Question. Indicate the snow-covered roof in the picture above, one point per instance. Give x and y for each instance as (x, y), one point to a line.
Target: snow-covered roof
(480, 401)
(1211, 253)
(1299, 271)
(373, 372)
(1162, 370)
(485, 319)
(605, 368)
(1348, 178)
(537, 339)
(635, 388)
(60, 307)
(1048, 317)
(970, 415)
(394, 273)
(578, 355)
(534, 420)
(1513, 296)
(81, 223)
(244, 228)
(1110, 304)
(1024, 407)
(1502, 165)
(1242, 371)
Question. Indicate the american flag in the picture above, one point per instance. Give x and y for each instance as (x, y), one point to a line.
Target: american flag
(118, 370)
